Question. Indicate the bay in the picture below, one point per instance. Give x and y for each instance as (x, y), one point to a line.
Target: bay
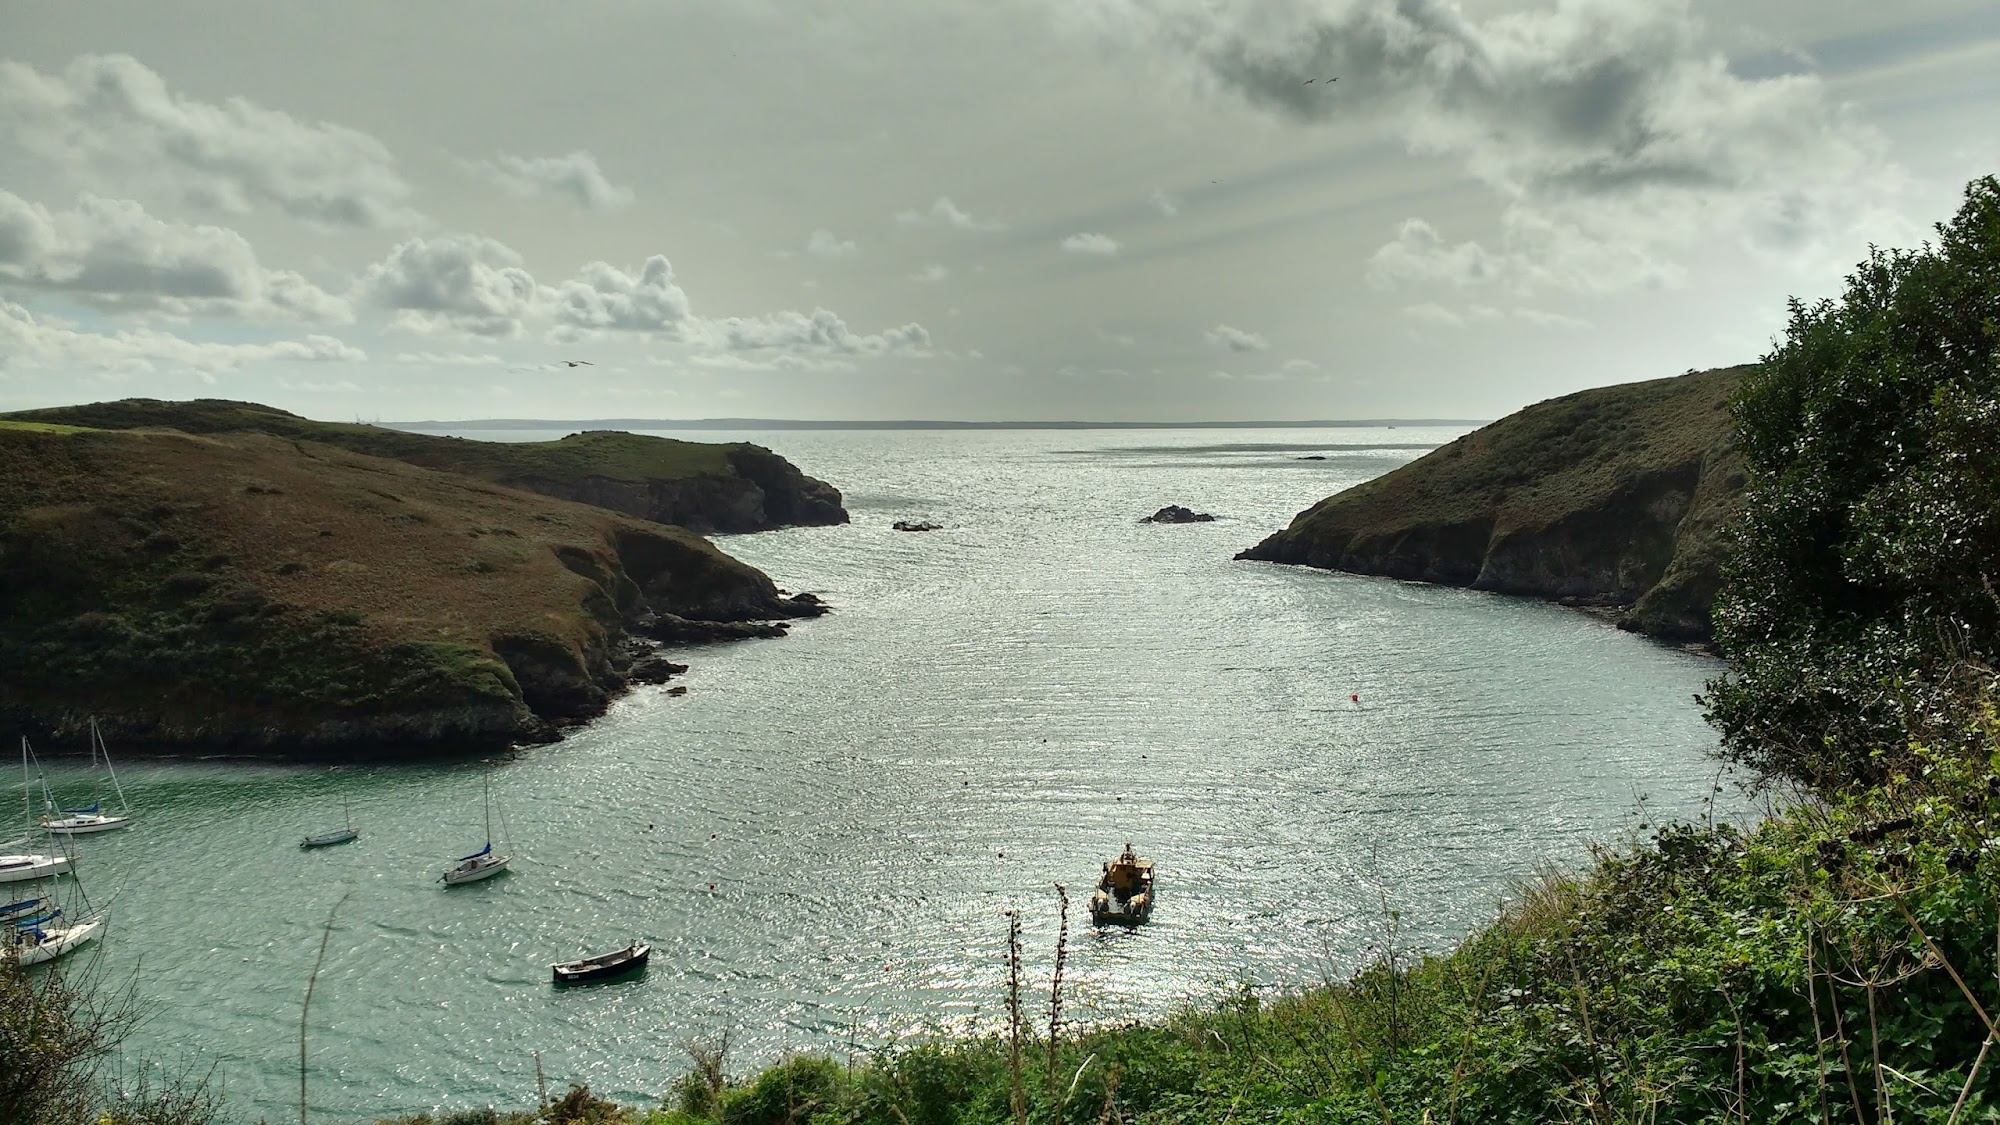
(820, 838)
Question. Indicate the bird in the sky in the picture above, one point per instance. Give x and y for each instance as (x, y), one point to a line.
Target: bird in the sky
(1309, 82)
(578, 363)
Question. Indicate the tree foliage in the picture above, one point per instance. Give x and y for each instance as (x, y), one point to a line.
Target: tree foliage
(1863, 580)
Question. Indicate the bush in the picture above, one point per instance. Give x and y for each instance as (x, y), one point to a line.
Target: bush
(1861, 592)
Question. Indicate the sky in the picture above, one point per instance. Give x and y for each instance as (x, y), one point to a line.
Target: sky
(1018, 209)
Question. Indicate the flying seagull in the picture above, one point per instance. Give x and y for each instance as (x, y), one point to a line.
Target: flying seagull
(1309, 82)
(578, 363)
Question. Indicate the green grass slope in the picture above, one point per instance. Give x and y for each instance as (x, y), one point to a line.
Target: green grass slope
(698, 485)
(254, 593)
(1612, 497)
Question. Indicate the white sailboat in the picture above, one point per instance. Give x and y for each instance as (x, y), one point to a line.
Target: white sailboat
(77, 822)
(482, 864)
(19, 866)
(337, 835)
(36, 928)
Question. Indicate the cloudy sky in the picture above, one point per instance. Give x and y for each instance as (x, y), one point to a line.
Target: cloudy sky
(1021, 209)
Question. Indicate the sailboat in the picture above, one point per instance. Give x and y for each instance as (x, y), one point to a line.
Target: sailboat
(28, 865)
(94, 818)
(482, 864)
(336, 836)
(36, 928)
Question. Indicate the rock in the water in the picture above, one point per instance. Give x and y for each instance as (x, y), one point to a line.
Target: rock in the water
(1174, 513)
(916, 525)
(1312, 457)
(654, 669)
(678, 689)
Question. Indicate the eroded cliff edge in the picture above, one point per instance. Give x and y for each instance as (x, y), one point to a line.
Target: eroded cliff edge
(702, 486)
(1613, 497)
(244, 593)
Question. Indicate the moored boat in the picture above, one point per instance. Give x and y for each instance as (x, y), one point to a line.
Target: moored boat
(482, 864)
(78, 822)
(327, 839)
(1124, 895)
(31, 865)
(36, 941)
(604, 966)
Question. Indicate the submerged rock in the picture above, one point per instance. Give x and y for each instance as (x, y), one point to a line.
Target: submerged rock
(916, 525)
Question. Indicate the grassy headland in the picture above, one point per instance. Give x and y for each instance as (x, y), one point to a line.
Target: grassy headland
(1608, 497)
(698, 485)
(254, 593)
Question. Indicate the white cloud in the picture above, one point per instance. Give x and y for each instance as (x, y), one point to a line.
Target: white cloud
(943, 212)
(1087, 242)
(453, 283)
(1434, 314)
(823, 244)
(602, 296)
(28, 342)
(1235, 339)
(574, 177)
(1543, 319)
(470, 285)
(108, 119)
(1290, 371)
(930, 275)
(1164, 203)
(1118, 339)
(111, 254)
(1615, 136)
(450, 359)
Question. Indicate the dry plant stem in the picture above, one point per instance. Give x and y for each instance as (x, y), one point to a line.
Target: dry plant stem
(541, 1088)
(1602, 1105)
(1110, 1114)
(1991, 1031)
(1846, 1060)
(1017, 1094)
(1055, 1002)
(1972, 1076)
(305, 1008)
(1887, 1115)
(1742, 1094)
(1819, 1036)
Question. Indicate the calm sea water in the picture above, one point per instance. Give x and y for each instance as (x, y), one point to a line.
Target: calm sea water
(821, 836)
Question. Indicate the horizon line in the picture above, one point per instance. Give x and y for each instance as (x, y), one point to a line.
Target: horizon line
(909, 424)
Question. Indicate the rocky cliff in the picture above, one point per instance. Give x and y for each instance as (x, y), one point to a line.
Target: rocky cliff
(244, 593)
(701, 486)
(1613, 498)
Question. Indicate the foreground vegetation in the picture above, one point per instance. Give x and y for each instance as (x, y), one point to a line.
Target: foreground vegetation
(1839, 962)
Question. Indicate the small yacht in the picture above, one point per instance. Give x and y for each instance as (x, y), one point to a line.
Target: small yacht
(482, 864)
(78, 822)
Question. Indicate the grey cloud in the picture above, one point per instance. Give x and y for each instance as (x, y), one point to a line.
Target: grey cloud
(930, 275)
(111, 254)
(943, 212)
(1236, 339)
(574, 177)
(112, 117)
(1598, 122)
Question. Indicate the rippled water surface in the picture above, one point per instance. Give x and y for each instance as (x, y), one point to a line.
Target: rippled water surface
(820, 837)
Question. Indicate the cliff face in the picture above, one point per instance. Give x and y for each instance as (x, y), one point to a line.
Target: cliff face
(1613, 497)
(250, 594)
(701, 486)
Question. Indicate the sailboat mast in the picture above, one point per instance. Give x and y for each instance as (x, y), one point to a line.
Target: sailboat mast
(97, 744)
(489, 811)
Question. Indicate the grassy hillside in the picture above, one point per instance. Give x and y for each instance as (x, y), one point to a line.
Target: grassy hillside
(703, 486)
(1612, 497)
(250, 592)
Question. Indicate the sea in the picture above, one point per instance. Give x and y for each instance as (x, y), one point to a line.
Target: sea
(824, 836)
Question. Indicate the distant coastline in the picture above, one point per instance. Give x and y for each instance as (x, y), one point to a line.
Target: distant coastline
(905, 424)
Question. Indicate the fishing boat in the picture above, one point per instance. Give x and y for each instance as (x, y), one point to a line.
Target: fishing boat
(336, 836)
(1124, 895)
(482, 864)
(18, 866)
(77, 822)
(604, 966)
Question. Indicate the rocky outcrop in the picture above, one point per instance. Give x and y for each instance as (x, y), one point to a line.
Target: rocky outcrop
(1613, 498)
(916, 525)
(1174, 513)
